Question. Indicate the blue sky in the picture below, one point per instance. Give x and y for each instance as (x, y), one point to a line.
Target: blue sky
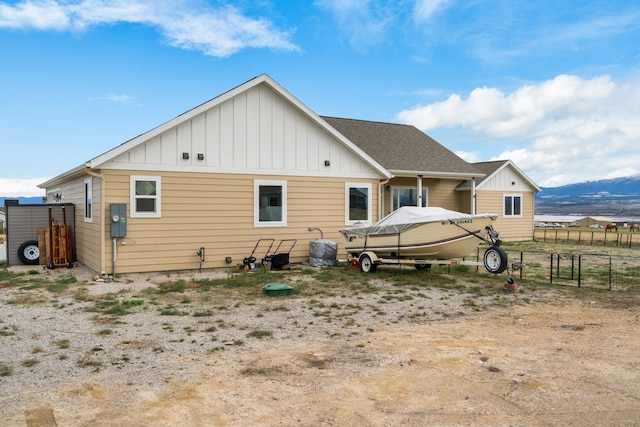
(552, 85)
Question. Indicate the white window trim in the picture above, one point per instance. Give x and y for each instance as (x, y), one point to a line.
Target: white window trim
(512, 195)
(132, 200)
(347, 200)
(407, 187)
(256, 203)
(88, 194)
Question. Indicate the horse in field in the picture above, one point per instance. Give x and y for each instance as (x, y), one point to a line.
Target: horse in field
(611, 226)
(634, 227)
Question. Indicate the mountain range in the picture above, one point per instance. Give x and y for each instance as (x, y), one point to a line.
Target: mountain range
(607, 197)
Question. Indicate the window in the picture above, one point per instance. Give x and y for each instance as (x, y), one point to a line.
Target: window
(513, 205)
(88, 195)
(406, 196)
(270, 203)
(145, 197)
(357, 203)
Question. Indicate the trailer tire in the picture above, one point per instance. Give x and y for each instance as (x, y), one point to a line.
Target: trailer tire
(367, 265)
(423, 266)
(29, 253)
(495, 260)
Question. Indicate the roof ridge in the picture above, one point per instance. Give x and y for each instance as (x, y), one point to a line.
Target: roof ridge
(367, 121)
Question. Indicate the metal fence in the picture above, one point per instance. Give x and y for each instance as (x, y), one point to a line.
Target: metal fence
(621, 238)
(593, 270)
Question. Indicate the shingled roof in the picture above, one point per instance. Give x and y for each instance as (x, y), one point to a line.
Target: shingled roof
(403, 149)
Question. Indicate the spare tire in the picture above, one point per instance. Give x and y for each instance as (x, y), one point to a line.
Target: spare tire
(29, 253)
(495, 260)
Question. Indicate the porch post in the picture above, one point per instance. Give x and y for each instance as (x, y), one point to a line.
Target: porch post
(473, 196)
(419, 198)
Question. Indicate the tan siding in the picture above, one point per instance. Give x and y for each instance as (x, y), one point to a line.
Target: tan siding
(87, 244)
(440, 192)
(513, 229)
(216, 212)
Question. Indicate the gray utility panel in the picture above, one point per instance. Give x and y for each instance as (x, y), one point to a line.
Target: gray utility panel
(23, 222)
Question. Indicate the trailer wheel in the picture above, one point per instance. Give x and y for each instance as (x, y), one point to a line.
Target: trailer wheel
(423, 266)
(29, 253)
(495, 260)
(366, 265)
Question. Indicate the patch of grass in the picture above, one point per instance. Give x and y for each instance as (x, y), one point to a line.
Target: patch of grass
(105, 331)
(8, 331)
(203, 313)
(30, 362)
(259, 333)
(172, 287)
(172, 311)
(5, 370)
(62, 344)
(262, 370)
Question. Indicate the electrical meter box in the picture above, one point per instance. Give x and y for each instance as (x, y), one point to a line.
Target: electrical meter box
(118, 219)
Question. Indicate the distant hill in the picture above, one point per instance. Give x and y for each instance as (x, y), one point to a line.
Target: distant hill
(23, 200)
(608, 197)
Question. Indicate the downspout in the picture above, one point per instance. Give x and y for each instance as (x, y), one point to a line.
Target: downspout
(473, 196)
(103, 189)
(419, 198)
(381, 198)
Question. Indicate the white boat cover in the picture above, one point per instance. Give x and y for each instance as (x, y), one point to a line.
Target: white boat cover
(408, 217)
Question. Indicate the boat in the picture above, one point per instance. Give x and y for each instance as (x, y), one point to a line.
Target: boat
(424, 233)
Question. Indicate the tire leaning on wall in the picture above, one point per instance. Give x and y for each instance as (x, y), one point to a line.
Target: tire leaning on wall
(29, 253)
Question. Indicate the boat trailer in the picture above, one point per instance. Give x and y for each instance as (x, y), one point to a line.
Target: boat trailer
(495, 259)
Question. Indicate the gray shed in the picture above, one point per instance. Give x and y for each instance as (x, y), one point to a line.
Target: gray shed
(23, 222)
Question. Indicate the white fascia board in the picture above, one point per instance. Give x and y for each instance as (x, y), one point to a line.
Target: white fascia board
(77, 171)
(518, 171)
(435, 174)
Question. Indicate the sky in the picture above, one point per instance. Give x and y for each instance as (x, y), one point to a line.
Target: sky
(553, 85)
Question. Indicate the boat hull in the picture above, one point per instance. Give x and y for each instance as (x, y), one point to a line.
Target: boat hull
(432, 240)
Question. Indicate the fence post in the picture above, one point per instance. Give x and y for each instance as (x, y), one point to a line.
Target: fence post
(610, 272)
(579, 269)
(551, 269)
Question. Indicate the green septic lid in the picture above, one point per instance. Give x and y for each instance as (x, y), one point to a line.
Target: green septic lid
(277, 287)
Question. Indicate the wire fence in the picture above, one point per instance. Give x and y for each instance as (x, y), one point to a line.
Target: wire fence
(620, 238)
(592, 270)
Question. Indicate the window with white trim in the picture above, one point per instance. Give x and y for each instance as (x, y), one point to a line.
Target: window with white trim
(270, 203)
(513, 205)
(145, 196)
(357, 202)
(407, 196)
(88, 196)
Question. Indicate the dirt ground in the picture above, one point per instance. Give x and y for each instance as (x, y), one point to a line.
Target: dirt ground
(569, 363)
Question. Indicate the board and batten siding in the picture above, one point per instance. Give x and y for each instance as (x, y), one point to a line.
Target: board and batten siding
(510, 229)
(216, 212)
(254, 132)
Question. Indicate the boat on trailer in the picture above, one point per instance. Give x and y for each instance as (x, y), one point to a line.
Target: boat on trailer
(424, 236)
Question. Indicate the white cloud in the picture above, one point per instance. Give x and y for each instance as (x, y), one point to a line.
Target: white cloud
(559, 131)
(118, 98)
(424, 9)
(217, 32)
(365, 23)
(20, 187)
(468, 156)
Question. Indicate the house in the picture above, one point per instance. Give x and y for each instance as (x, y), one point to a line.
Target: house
(506, 190)
(253, 163)
(428, 174)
